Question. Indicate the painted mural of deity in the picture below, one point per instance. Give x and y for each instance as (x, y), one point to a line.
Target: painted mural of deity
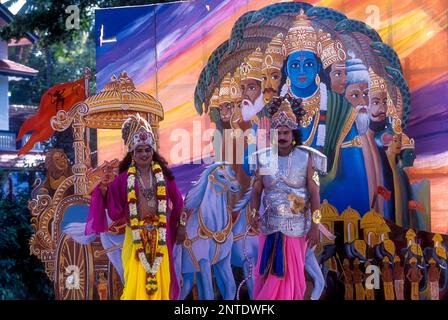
(349, 92)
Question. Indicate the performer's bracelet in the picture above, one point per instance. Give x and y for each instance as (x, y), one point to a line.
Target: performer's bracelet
(317, 216)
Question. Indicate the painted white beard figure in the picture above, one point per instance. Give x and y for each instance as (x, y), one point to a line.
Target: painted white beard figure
(362, 120)
(249, 109)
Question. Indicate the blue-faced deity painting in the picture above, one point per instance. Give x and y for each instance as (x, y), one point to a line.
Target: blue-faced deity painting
(370, 83)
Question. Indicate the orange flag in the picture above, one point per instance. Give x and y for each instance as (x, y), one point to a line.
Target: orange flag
(60, 97)
(382, 191)
(415, 205)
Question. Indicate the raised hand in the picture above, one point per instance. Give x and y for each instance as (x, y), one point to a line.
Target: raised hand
(263, 133)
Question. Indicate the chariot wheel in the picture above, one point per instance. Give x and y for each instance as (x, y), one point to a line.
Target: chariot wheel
(74, 270)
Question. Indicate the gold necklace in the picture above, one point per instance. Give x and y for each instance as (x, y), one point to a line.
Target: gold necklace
(312, 107)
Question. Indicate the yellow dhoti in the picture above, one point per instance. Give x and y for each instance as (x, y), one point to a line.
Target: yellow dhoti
(135, 274)
(415, 291)
(370, 294)
(348, 292)
(360, 293)
(389, 291)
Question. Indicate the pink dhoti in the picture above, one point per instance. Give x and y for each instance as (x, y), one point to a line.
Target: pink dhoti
(290, 287)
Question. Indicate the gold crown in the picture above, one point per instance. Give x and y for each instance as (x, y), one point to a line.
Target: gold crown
(284, 116)
(275, 53)
(386, 259)
(330, 51)
(214, 100)
(413, 260)
(251, 67)
(301, 36)
(397, 259)
(235, 86)
(224, 90)
(406, 142)
(377, 83)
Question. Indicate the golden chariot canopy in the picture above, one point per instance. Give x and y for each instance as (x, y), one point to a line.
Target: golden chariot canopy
(109, 108)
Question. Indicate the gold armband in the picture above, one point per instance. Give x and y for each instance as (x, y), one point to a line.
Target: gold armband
(316, 178)
(317, 216)
(183, 219)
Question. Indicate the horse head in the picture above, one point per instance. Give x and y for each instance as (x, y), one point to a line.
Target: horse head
(223, 179)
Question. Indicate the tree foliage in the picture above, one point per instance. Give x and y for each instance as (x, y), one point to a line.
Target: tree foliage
(22, 275)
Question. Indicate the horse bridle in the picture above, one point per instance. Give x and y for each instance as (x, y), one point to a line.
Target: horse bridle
(212, 179)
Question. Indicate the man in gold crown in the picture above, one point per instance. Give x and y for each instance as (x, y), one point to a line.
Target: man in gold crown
(251, 77)
(333, 58)
(329, 119)
(291, 220)
(248, 115)
(378, 105)
(271, 69)
(142, 195)
(378, 99)
(229, 101)
(225, 102)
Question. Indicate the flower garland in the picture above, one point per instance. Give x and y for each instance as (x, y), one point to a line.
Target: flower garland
(136, 225)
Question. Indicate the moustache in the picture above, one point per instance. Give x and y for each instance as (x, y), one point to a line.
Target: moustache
(271, 90)
(379, 114)
(247, 102)
(358, 108)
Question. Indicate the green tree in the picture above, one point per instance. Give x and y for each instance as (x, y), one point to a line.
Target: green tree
(22, 275)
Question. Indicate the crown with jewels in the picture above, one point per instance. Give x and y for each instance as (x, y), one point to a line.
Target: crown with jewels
(214, 100)
(136, 131)
(224, 90)
(235, 86)
(406, 142)
(330, 51)
(301, 36)
(284, 116)
(377, 83)
(251, 67)
(275, 53)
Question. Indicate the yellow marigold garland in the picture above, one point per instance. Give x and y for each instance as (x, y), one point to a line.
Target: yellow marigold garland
(136, 222)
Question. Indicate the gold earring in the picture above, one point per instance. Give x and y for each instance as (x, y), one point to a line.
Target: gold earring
(317, 79)
(288, 84)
